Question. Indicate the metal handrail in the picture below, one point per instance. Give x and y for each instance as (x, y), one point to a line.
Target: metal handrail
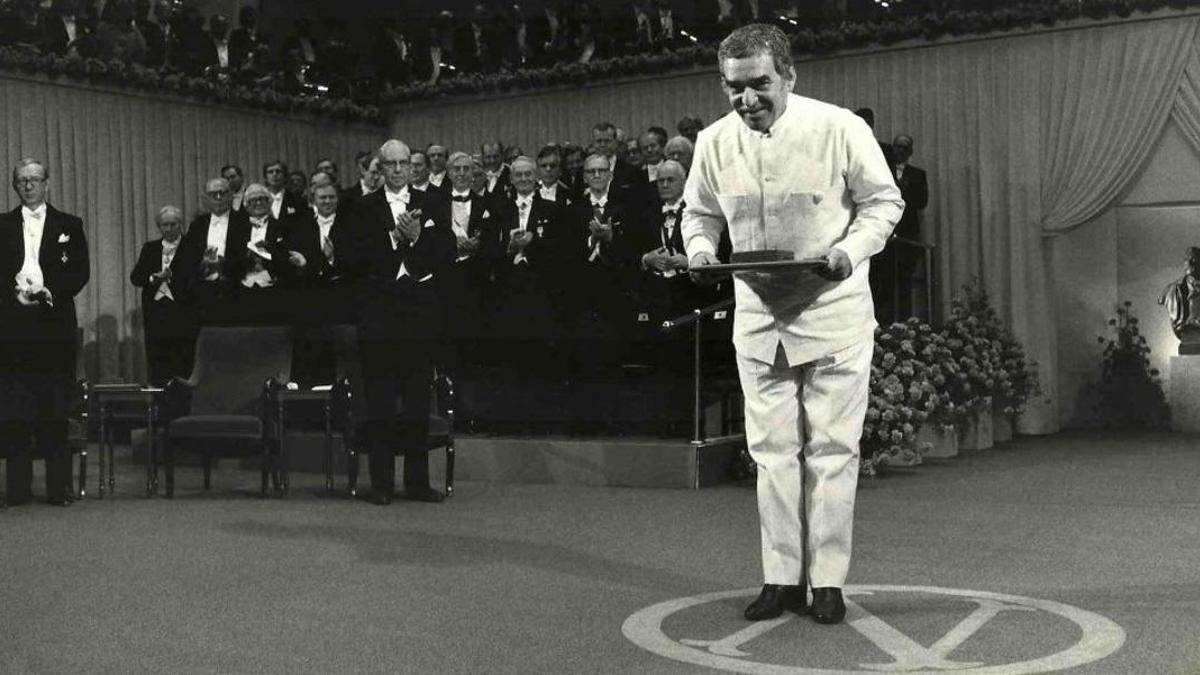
(694, 318)
(695, 315)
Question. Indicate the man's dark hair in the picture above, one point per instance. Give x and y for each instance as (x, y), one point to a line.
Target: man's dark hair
(327, 159)
(759, 38)
(276, 162)
(688, 123)
(235, 167)
(549, 150)
(569, 149)
(605, 127)
(363, 158)
(659, 133)
(868, 116)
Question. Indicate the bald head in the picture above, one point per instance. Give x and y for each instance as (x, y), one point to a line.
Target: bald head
(218, 195)
(680, 149)
(523, 175)
(671, 177)
(395, 164)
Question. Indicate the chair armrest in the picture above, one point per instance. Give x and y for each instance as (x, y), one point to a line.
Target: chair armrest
(176, 399)
(444, 395)
(341, 402)
(83, 400)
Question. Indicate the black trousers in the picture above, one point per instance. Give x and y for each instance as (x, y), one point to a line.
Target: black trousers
(49, 439)
(394, 368)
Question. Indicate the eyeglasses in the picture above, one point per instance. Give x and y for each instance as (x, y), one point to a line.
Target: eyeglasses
(27, 182)
(393, 163)
(595, 172)
(217, 194)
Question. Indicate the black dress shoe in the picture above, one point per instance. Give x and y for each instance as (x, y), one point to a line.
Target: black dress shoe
(423, 493)
(827, 605)
(774, 599)
(60, 502)
(377, 498)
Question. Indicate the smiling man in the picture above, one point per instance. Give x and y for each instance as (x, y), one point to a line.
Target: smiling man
(786, 172)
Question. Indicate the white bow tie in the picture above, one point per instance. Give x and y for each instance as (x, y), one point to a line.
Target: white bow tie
(670, 209)
(325, 222)
(35, 215)
(402, 197)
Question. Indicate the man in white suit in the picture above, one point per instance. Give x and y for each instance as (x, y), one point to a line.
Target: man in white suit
(786, 172)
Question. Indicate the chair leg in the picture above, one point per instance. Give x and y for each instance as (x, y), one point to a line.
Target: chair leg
(450, 467)
(267, 468)
(82, 491)
(351, 470)
(207, 471)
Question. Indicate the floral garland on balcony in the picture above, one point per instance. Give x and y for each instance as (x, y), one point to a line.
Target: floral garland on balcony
(136, 76)
(815, 41)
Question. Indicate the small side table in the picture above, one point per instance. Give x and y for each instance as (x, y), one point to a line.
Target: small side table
(106, 396)
(284, 396)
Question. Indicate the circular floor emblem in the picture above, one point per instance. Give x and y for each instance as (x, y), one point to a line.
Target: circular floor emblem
(887, 629)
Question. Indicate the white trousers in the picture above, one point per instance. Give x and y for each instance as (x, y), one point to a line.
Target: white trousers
(803, 425)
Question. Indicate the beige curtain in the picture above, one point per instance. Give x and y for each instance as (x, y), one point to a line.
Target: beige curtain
(116, 157)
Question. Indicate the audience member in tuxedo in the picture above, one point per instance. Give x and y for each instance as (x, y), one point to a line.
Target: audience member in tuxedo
(116, 36)
(572, 165)
(606, 140)
(479, 178)
(650, 143)
(65, 27)
(492, 158)
(526, 319)
(287, 199)
(214, 51)
(549, 35)
(168, 319)
(152, 33)
(514, 42)
(599, 249)
(236, 178)
(369, 180)
(668, 26)
(302, 44)
(894, 271)
(206, 255)
(466, 287)
(437, 164)
(258, 257)
(44, 254)
(315, 180)
(634, 29)
(680, 149)
(550, 185)
(406, 245)
(476, 42)
(868, 116)
(330, 168)
(689, 127)
(633, 155)
(246, 39)
(392, 53)
(420, 175)
(320, 284)
(192, 48)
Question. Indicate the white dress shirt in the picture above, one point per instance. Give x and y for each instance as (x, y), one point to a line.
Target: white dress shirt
(258, 230)
(398, 203)
(548, 192)
(437, 178)
(652, 170)
(222, 52)
(324, 227)
(276, 203)
(218, 229)
(34, 223)
(168, 254)
(816, 180)
(593, 243)
(524, 208)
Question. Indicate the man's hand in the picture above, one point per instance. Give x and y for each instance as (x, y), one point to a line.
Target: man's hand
(518, 241)
(468, 245)
(159, 277)
(602, 231)
(837, 266)
(678, 261)
(656, 260)
(700, 260)
(408, 226)
(297, 259)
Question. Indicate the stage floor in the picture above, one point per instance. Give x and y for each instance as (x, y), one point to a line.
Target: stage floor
(1079, 549)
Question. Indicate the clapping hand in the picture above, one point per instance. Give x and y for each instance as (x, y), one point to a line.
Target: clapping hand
(408, 226)
(29, 294)
(518, 240)
(601, 230)
(159, 277)
(468, 245)
(297, 259)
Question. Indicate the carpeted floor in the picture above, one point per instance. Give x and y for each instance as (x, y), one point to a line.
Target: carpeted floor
(545, 579)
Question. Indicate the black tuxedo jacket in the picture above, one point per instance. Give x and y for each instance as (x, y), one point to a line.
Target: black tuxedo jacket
(546, 223)
(150, 262)
(63, 257)
(303, 235)
(407, 307)
(625, 209)
(241, 259)
(915, 191)
(191, 250)
(291, 206)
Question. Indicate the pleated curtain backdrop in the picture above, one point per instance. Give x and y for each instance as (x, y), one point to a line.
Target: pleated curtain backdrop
(116, 157)
(1023, 136)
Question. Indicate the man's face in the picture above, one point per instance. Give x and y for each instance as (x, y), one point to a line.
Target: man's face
(489, 156)
(325, 198)
(296, 183)
(902, 147)
(605, 142)
(460, 175)
(573, 163)
(670, 186)
(420, 168)
(395, 164)
(329, 168)
(680, 153)
(549, 169)
(597, 174)
(31, 185)
(756, 91)
(274, 176)
(633, 154)
(437, 158)
(257, 206)
(524, 177)
(234, 177)
(372, 177)
(479, 178)
(171, 228)
(652, 152)
(219, 196)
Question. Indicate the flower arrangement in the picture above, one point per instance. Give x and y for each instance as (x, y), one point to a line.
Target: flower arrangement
(1130, 395)
(972, 334)
(903, 394)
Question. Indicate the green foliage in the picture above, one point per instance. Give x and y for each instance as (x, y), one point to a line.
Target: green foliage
(1130, 395)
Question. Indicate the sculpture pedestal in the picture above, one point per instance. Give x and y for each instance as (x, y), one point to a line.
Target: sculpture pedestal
(1184, 393)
